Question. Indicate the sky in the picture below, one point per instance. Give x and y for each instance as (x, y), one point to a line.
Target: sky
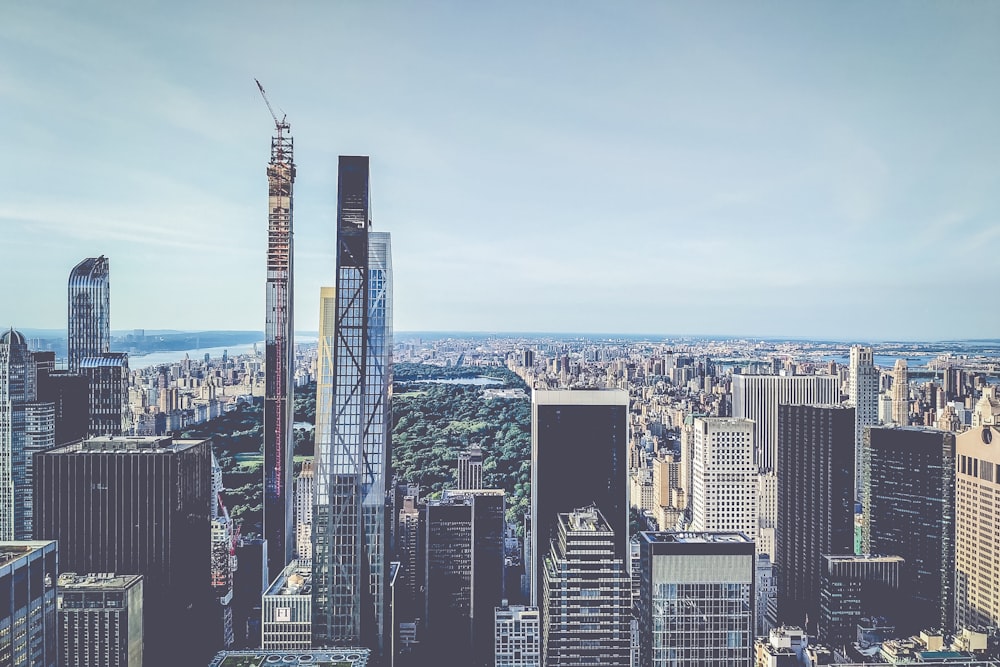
(818, 169)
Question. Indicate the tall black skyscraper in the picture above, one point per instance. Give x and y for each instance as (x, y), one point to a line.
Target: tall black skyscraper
(815, 503)
(464, 576)
(279, 353)
(909, 511)
(579, 441)
(137, 506)
(353, 422)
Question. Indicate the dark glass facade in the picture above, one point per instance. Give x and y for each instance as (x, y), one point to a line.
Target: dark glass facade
(815, 503)
(909, 511)
(578, 459)
(89, 318)
(137, 506)
(352, 428)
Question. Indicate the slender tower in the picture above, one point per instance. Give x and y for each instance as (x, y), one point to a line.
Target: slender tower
(89, 333)
(279, 528)
(863, 396)
(352, 427)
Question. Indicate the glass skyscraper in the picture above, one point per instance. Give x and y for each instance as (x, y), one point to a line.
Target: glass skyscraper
(352, 427)
(89, 333)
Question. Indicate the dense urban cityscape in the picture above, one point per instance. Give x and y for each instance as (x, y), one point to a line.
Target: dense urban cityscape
(365, 496)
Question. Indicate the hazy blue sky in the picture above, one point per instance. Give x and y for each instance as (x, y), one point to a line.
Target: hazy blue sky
(773, 168)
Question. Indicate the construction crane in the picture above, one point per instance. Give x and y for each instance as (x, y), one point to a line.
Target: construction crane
(278, 124)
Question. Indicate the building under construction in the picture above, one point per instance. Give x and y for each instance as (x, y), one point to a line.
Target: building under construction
(279, 351)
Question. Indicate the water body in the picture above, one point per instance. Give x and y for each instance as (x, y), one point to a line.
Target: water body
(177, 356)
(481, 382)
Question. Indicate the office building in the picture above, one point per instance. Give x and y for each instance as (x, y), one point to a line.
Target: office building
(410, 551)
(765, 596)
(517, 642)
(900, 394)
(15, 386)
(279, 353)
(28, 571)
(724, 494)
(696, 600)
(854, 587)
(39, 435)
(977, 525)
(138, 506)
(304, 498)
(862, 395)
(89, 330)
(757, 397)
(100, 620)
(815, 503)
(68, 392)
(108, 380)
(469, 473)
(579, 445)
(286, 610)
(352, 427)
(909, 511)
(464, 575)
(586, 594)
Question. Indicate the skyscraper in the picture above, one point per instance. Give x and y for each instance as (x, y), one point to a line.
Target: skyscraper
(977, 524)
(757, 397)
(852, 587)
(89, 332)
(137, 506)
(815, 503)
(470, 468)
(909, 511)
(100, 620)
(900, 394)
(28, 572)
(585, 593)
(696, 598)
(304, 512)
(279, 344)
(464, 576)
(108, 379)
(862, 392)
(353, 421)
(724, 497)
(579, 442)
(15, 383)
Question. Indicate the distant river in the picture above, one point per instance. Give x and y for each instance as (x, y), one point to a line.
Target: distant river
(176, 356)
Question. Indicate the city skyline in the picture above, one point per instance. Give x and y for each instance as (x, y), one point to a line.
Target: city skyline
(778, 169)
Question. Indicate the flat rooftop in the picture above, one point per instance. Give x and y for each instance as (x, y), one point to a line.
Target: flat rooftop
(97, 581)
(690, 537)
(295, 579)
(118, 444)
(346, 657)
(11, 551)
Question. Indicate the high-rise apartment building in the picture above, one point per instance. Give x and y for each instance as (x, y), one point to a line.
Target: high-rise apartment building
(279, 354)
(977, 525)
(862, 393)
(815, 503)
(469, 472)
(108, 379)
(39, 435)
(579, 444)
(852, 587)
(464, 575)
(28, 571)
(900, 394)
(585, 594)
(724, 494)
(909, 511)
(352, 427)
(89, 331)
(304, 498)
(757, 397)
(517, 642)
(100, 620)
(138, 506)
(15, 385)
(696, 600)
